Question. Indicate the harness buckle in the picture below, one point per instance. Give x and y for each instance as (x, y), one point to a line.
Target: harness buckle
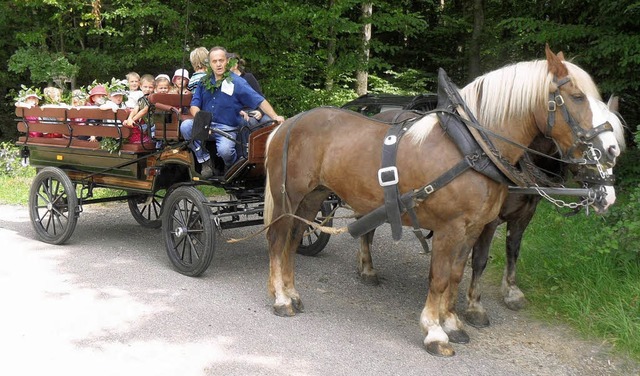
(559, 99)
(552, 106)
(429, 189)
(388, 176)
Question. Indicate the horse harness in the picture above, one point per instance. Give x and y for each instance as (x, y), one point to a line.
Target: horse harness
(479, 154)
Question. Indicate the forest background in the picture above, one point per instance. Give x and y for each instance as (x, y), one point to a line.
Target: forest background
(316, 52)
(325, 52)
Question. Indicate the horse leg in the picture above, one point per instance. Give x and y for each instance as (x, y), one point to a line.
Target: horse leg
(365, 264)
(288, 301)
(450, 321)
(436, 341)
(511, 293)
(279, 237)
(475, 314)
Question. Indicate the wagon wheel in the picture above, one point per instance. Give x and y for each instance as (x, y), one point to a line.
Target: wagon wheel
(314, 241)
(147, 210)
(53, 205)
(188, 231)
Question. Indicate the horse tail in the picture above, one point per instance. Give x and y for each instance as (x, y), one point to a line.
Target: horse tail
(268, 203)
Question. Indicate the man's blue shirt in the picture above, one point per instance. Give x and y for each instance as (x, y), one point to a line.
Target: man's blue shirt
(224, 107)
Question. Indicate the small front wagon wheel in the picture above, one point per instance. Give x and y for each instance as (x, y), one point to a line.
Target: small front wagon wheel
(188, 231)
(53, 205)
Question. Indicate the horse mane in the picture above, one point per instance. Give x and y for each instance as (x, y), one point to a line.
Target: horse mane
(507, 95)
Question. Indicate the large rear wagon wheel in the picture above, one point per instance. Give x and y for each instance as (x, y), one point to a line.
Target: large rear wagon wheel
(53, 205)
(188, 230)
(147, 210)
(314, 241)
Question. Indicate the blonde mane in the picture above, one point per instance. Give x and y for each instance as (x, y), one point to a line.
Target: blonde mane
(508, 95)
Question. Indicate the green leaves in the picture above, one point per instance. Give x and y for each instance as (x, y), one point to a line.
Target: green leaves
(42, 65)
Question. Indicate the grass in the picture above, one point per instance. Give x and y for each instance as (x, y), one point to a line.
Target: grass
(14, 190)
(565, 279)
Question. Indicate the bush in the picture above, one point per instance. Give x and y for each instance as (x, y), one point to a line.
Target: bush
(621, 235)
(11, 161)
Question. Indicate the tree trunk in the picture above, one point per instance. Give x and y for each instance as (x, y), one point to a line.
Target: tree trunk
(331, 51)
(362, 74)
(475, 68)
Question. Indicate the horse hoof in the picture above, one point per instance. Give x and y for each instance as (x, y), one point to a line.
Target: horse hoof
(297, 305)
(283, 310)
(516, 304)
(477, 319)
(439, 349)
(370, 279)
(458, 336)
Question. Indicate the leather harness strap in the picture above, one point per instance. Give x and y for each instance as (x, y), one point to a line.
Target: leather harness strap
(388, 177)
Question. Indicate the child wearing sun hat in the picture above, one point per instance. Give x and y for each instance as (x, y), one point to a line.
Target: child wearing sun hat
(27, 98)
(180, 81)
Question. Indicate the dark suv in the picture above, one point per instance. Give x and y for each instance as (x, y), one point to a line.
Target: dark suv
(372, 104)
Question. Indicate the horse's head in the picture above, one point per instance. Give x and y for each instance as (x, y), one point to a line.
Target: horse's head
(575, 121)
(602, 181)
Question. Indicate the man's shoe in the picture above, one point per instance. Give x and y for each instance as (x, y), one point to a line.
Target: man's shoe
(207, 169)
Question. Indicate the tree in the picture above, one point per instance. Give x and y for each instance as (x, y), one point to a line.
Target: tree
(361, 87)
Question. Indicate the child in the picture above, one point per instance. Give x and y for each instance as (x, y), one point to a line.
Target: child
(28, 98)
(97, 96)
(147, 84)
(53, 98)
(181, 80)
(198, 58)
(78, 98)
(115, 102)
(133, 80)
(163, 83)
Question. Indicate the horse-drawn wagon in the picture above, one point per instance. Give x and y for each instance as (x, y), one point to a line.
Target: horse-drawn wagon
(159, 179)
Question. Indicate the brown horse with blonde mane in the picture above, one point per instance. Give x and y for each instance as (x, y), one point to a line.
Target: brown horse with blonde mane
(517, 211)
(328, 150)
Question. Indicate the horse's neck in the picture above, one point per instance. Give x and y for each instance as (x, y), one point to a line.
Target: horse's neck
(519, 131)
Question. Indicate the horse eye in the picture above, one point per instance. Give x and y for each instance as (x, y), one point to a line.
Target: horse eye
(578, 97)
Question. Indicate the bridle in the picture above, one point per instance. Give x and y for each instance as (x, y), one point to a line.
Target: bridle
(581, 138)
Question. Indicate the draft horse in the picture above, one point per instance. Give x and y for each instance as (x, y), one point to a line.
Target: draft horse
(328, 150)
(517, 211)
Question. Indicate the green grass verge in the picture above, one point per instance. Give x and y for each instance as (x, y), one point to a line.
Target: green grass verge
(565, 278)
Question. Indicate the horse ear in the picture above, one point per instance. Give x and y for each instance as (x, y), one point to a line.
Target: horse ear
(613, 103)
(556, 67)
(561, 56)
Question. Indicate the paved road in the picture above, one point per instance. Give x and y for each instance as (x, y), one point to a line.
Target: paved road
(109, 303)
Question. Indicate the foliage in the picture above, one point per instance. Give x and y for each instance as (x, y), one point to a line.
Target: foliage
(621, 235)
(42, 65)
(565, 276)
(110, 144)
(11, 161)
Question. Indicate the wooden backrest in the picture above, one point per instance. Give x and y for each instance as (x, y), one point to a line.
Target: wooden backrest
(168, 114)
(77, 121)
(258, 144)
(165, 101)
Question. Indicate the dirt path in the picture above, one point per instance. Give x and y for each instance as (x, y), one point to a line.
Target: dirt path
(108, 302)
